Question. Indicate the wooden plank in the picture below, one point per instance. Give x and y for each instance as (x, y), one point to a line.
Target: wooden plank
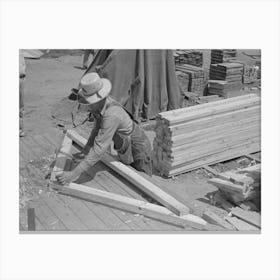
(181, 111)
(132, 205)
(61, 158)
(146, 186)
(253, 157)
(250, 217)
(199, 124)
(88, 217)
(64, 213)
(47, 217)
(220, 200)
(213, 111)
(214, 132)
(107, 185)
(241, 225)
(100, 178)
(226, 185)
(105, 214)
(212, 159)
(31, 219)
(131, 191)
(212, 218)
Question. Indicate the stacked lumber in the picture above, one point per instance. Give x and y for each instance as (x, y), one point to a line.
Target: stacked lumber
(250, 74)
(192, 57)
(222, 55)
(196, 77)
(221, 88)
(183, 80)
(258, 64)
(189, 138)
(230, 72)
(239, 185)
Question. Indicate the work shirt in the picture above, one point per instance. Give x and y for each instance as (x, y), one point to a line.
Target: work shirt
(113, 119)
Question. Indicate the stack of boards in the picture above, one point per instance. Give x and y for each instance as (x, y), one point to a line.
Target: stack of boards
(192, 57)
(189, 138)
(258, 64)
(230, 72)
(250, 74)
(223, 55)
(191, 78)
(240, 185)
(221, 88)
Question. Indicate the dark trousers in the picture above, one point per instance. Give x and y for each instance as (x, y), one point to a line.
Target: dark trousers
(135, 150)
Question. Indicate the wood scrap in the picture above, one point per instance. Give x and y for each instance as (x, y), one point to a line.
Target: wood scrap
(132, 205)
(241, 225)
(239, 185)
(136, 179)
(213, 218)
(250, 217)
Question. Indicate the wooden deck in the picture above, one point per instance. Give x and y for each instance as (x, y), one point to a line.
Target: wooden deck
(58, 212)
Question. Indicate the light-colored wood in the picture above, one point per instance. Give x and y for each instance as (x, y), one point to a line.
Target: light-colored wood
(241, 225)
(212, 159)
(213, 131)
(195, 108)
(251, 217)
(225, 185)
(136, 179)
(234, 106)
(199, 124)
(61, 157)
(213, 218)
(132, 205)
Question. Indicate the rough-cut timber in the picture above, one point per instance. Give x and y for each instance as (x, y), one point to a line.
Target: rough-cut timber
(61, 158)
(132, 205)
(136, 179)
(191, 137)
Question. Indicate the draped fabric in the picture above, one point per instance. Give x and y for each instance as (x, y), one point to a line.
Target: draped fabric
(143, 81)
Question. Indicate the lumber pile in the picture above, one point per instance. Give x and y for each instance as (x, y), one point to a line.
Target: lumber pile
(250, 74)
(189, 138)
(222, 55)
(193, 77)
(258, 64)
(183, 81)
(230, 72)
(239, 185)
(220, 88)
(192, 57)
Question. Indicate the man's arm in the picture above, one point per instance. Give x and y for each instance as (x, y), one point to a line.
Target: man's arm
(102, 141)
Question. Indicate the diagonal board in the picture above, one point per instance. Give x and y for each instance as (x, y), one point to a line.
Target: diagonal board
(144, 185)
(61, 157)
(131, 205)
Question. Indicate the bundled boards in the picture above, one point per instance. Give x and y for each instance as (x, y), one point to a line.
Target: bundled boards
(189, 138)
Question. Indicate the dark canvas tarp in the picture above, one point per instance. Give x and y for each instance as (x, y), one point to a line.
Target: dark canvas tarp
(144, 81)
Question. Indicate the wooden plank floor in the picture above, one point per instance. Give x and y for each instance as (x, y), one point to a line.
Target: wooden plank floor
(58, 212)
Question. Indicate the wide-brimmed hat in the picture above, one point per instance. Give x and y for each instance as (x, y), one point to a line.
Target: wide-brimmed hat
(93, 88)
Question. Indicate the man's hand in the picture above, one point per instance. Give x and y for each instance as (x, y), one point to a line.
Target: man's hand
(66, 177)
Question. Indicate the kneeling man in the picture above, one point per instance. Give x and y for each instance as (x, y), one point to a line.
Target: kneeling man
(113, 122)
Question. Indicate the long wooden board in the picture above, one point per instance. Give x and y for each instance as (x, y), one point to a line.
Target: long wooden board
(132, 205)
(61, 157)
(250, 217)
(132, 176)
(214, 111)
(181, 111)
(241, 225)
